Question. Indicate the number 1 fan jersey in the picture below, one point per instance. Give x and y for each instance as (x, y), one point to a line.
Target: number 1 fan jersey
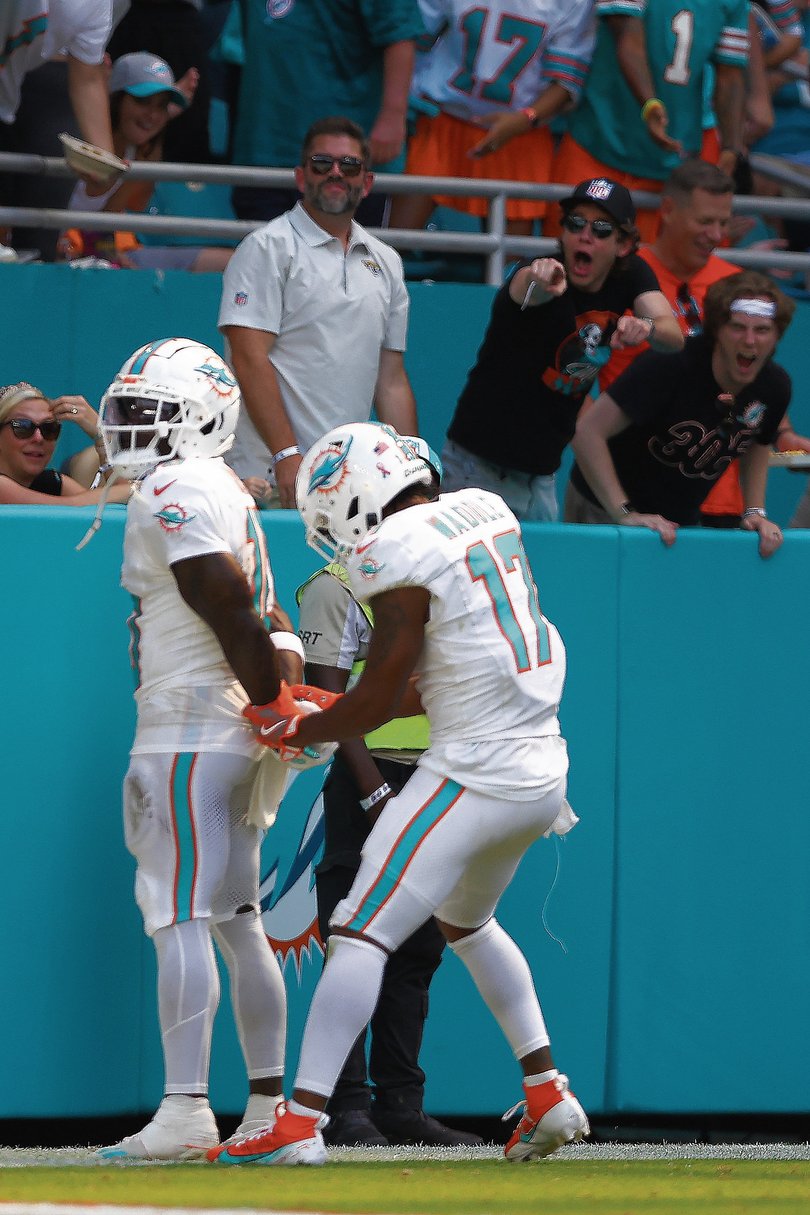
(492, 668)
(682, 39)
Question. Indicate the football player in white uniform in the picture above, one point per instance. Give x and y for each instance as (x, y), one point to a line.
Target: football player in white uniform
(196, 564)
(454, 601)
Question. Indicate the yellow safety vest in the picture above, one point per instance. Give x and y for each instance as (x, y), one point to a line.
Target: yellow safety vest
(402, 733)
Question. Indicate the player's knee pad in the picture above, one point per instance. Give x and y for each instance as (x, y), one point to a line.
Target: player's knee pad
(477, 937)
(338, 941)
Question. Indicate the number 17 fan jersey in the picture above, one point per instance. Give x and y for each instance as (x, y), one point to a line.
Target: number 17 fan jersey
(492, 667)
(502, 54)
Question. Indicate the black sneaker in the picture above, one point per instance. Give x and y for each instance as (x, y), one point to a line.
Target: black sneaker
(406, 1126)
(352, 1128)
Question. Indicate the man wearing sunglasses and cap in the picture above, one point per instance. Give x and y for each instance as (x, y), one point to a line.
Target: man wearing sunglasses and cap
(553, 327)
(315, 312)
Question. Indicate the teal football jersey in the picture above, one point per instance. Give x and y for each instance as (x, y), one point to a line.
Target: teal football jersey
(682, 39)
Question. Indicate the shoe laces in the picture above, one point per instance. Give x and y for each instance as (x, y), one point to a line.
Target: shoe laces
(261, 1132)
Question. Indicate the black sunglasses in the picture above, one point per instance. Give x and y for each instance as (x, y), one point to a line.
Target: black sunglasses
(321, 163)
(24, 428)
(601, 228)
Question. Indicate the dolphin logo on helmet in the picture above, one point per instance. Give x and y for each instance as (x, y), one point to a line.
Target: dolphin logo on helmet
(327, 467)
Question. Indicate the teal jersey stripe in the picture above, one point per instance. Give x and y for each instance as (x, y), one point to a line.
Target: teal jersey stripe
(32, 28)
(255, 537)
(134, 626)
(403, 852)
(185, 837)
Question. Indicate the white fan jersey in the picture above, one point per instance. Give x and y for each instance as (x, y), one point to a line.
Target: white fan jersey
(503, 54)
(33, 31)
(188, 698)
(492, 667)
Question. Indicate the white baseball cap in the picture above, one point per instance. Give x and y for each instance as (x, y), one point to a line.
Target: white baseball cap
(142, 74)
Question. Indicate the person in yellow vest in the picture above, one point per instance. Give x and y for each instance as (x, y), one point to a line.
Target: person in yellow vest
(336, 630)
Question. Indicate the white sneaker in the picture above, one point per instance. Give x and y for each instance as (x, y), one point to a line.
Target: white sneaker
(184, 1128)
(253, 1126)
(563, 1122)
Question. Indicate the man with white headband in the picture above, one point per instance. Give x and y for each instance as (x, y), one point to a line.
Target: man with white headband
(651, 448)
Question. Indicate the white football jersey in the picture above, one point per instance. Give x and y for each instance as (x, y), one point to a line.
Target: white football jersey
(188, 698)
(492, 667)
(33, 31)
(503, 54)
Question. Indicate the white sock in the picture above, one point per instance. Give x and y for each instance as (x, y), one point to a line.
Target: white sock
(344, 1001)
(260, 1108)
(258, 996)
(502, 976)
(188, 995)
(540, 1078)
(302, 1111)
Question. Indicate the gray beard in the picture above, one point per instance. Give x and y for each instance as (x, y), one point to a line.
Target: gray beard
(337, 205)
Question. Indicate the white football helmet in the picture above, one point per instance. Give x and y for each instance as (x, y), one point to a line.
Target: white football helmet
(347, 479)
(172, 399)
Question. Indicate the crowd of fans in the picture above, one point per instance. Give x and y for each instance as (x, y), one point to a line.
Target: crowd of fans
(534, 91)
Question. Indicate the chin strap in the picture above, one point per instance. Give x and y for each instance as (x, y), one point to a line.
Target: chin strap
(102, 502)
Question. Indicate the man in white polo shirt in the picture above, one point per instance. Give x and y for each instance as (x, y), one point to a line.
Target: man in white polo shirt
(315, 311)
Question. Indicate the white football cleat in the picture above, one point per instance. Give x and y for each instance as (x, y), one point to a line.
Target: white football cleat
(249, 1127)
(183, 1128)
(564, 1121)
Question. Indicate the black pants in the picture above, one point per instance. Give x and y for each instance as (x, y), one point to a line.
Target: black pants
(44, 111)
(398, 1023)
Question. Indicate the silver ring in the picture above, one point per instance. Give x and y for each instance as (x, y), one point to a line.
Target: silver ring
(73, 409)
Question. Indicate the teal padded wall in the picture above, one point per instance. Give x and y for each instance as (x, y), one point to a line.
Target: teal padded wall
(681, 900)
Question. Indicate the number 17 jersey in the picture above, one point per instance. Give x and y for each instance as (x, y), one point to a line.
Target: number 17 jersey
(492, 667)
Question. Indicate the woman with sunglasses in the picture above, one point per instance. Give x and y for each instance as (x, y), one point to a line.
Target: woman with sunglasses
(28, 434)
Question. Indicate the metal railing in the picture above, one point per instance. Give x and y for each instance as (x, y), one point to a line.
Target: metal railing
(493, 244)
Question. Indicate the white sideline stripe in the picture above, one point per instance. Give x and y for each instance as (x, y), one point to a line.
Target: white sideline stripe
(75, 1208)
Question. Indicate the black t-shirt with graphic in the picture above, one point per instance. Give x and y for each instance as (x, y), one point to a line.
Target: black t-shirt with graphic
(683, 437)
(519, 406)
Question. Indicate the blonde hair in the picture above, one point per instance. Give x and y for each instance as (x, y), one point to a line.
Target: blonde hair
(14, 394)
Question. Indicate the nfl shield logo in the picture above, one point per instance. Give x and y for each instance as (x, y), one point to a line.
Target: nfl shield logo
(240, 298)
(599, 188)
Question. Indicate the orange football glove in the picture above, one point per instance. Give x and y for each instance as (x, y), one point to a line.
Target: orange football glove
(315, 696)
(273, 729)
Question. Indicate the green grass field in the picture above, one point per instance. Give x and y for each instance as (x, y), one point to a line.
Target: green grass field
(487, 1187)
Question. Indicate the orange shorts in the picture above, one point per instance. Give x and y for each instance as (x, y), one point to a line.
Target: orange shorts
(710, 148)
(573, 164)
(439, 148)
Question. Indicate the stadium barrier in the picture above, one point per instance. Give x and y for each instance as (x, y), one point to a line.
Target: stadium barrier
(679, 904)
(493, 244)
